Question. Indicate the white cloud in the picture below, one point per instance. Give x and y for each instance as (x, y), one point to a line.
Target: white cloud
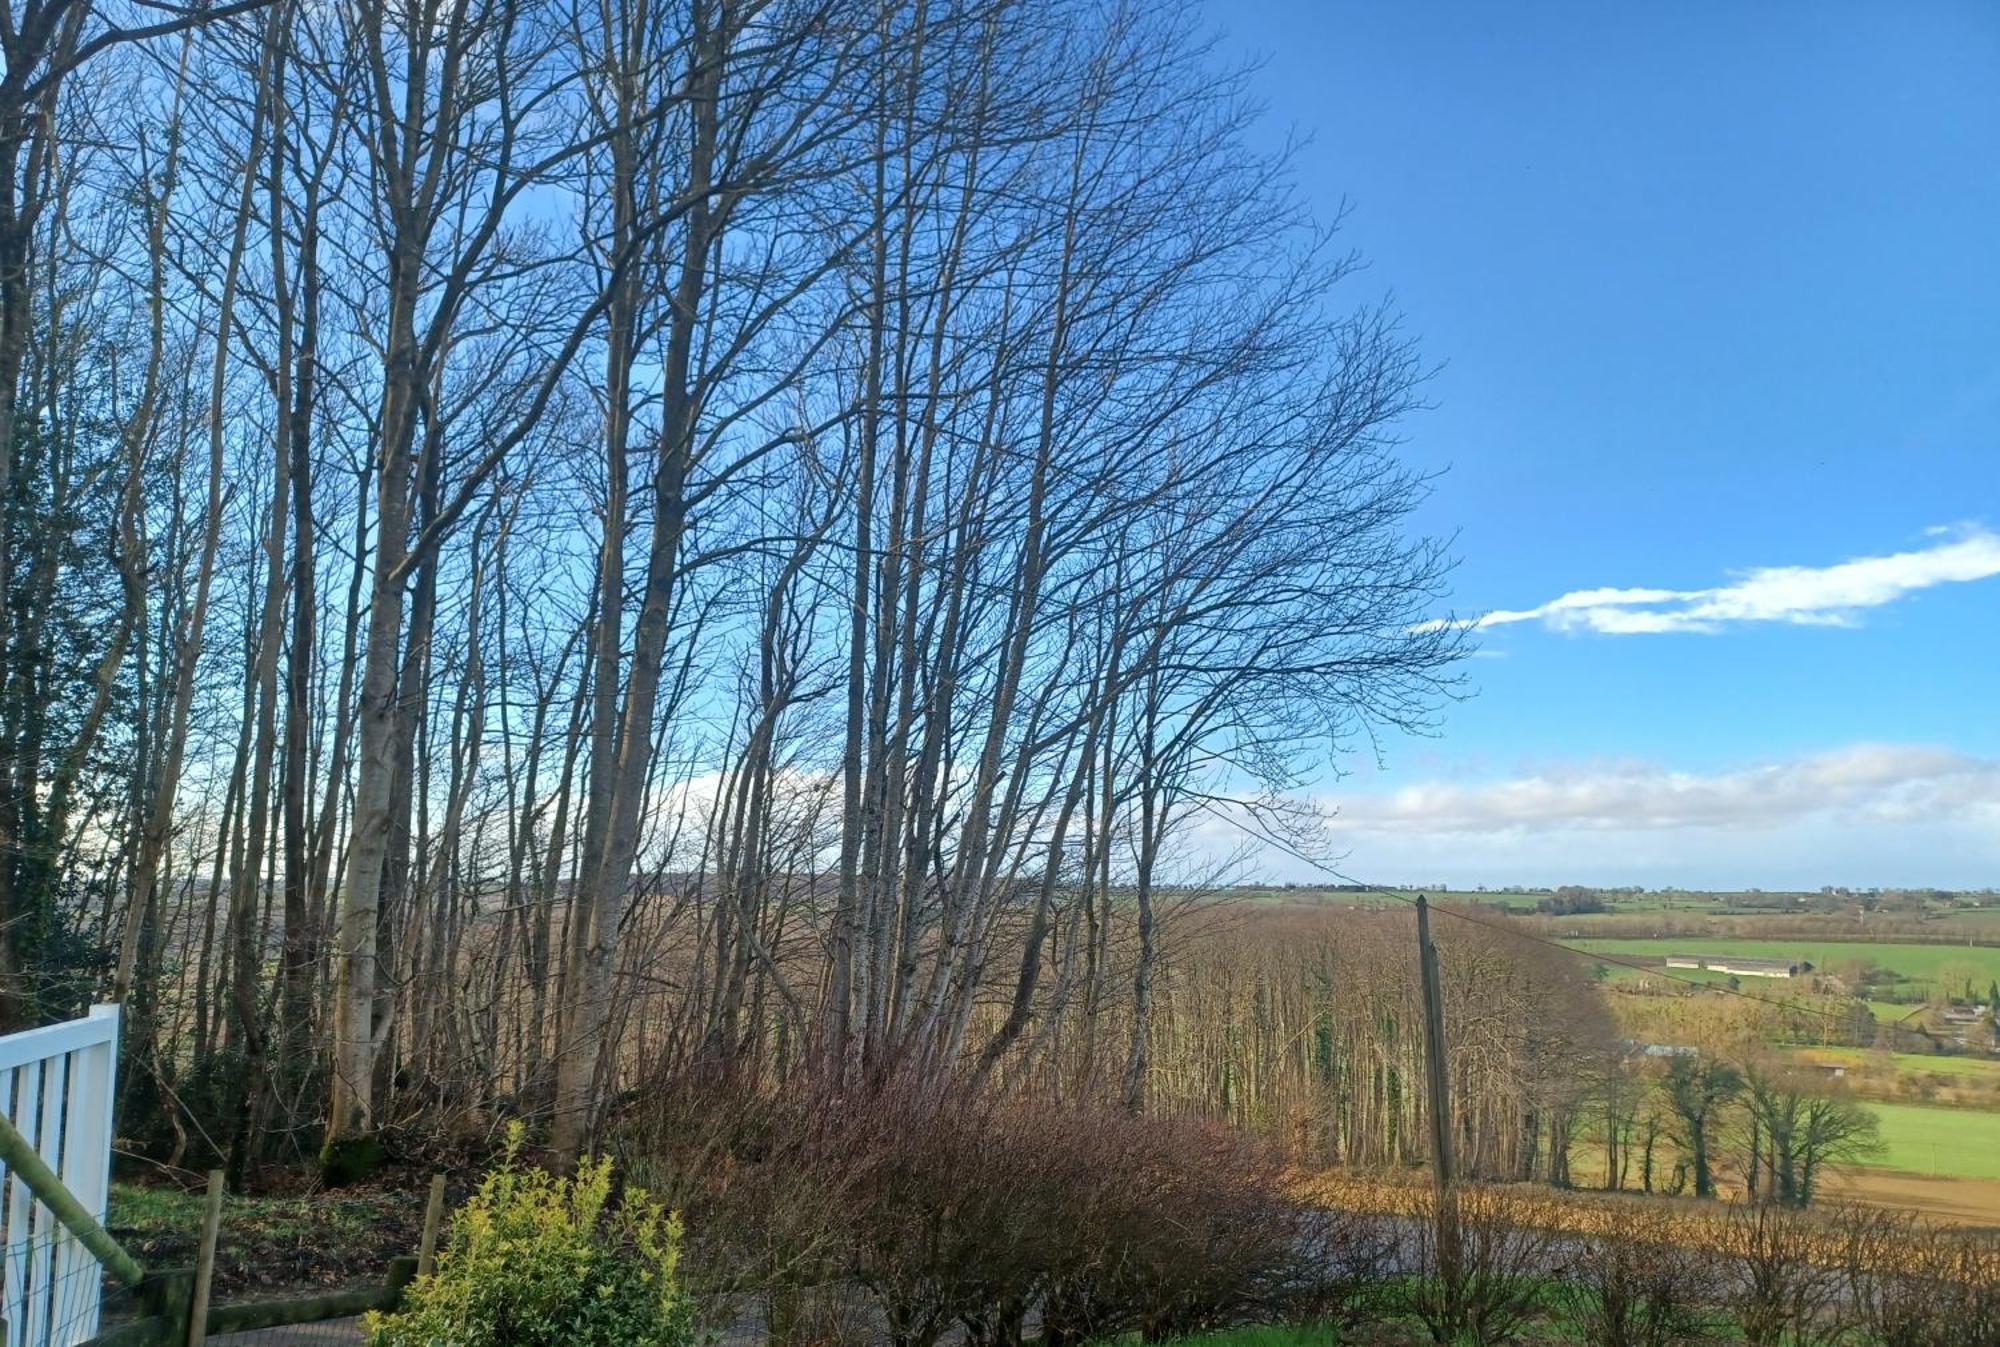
(1863, 784)
(1827, 596)
(1867, 814)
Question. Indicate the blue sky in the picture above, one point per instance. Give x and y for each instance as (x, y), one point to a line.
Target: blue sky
(1716, 288)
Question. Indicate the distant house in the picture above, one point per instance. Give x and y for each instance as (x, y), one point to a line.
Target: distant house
(1740, 967)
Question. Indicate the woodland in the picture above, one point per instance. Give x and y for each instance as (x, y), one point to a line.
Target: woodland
(554, 547)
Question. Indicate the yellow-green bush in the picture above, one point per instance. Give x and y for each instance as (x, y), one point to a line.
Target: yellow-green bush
(535, 1259)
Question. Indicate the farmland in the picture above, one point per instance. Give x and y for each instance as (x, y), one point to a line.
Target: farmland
(1933, 1089)
(1939, 1141)
(1912, 963)
(1969, 1070)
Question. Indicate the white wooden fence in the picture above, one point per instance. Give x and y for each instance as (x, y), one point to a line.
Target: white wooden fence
(57, 1087)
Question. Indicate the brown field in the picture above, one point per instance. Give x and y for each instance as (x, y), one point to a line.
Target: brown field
(1944, 1197)
(1962, 1201)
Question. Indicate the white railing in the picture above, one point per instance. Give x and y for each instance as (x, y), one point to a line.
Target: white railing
(57, 1087)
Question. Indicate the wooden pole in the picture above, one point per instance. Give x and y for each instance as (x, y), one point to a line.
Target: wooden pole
(433, 1217)
(1434, 1063)
(204, 1268)
(1442, 1170)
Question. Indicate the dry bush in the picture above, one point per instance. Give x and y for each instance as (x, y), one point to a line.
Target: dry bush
(1493, 1290)
(1909, 1283)
(986, 1210)
(761, 1182)
(976, 1211)
(1188, 1229)
(1641, 1289)
(1776, 1280)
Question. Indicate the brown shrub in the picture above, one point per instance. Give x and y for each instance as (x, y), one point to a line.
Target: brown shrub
(1486, 1286)
(1776, 1281)
(1640, 1289)
(1909, 1283)
(951, 1207)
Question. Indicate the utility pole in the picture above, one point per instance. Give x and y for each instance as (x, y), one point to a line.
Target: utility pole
(1440, 1100)
(1440, 1085)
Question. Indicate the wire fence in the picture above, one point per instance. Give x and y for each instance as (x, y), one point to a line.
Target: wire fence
(263, 1272)
(53, 1288)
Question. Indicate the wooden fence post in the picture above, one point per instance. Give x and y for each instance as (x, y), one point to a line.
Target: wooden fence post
(433, 1216)
(169, 1299)
(204, 1268)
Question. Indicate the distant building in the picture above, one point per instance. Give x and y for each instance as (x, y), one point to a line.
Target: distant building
(1740, 967)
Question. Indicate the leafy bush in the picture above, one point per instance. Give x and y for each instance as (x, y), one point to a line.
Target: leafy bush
(535, 1258)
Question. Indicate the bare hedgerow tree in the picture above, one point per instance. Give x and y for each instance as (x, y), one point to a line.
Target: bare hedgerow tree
(1200, 456)
(1797, 1127)
(462, 113)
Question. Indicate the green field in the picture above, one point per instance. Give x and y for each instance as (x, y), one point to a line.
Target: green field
(1917, 963)
(1892, 1012)
(1975, 1069)
(1964, 1142)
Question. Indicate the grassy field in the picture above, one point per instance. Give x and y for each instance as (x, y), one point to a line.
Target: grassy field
(1891, 1012)
(1919, 963)
(1978, 1069)
(1952, 1141)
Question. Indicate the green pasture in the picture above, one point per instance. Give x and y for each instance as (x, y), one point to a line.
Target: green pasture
(1894, 1012)
(1916, 963)
(1960, 1142)
(1958, 1068)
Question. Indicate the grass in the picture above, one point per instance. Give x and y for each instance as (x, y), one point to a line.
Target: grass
(1892, 1012)
(1975, 1069)
(1258, 1335)
(269, 1242)
(1917, 963)
(1960, 1142)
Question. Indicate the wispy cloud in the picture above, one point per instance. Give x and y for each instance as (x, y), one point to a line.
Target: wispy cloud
(1866, 784)
(1826, 596)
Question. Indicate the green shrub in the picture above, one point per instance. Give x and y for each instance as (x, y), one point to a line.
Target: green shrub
(535, 1259)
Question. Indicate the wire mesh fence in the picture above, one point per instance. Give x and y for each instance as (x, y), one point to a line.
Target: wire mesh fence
(255, 1272)
(55, 1293)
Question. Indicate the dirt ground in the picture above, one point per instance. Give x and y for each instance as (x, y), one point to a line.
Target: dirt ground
(1963, 1201)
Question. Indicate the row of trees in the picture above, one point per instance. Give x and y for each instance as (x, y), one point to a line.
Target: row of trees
(550, 544)
(1305, 1024)
(1779, 1125)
